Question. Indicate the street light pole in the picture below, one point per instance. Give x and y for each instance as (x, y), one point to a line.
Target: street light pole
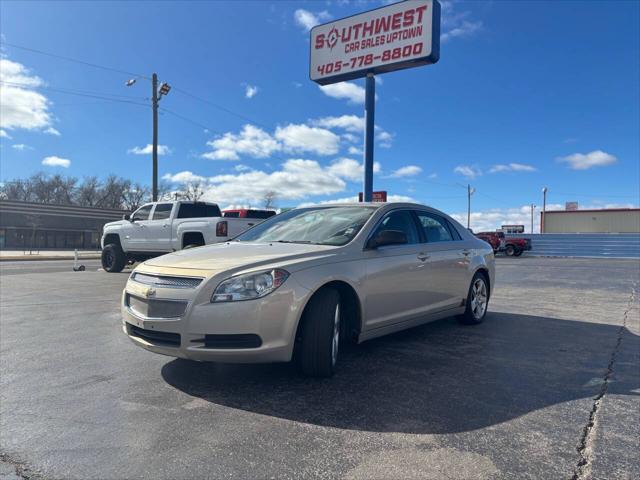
(154, 100)
(470, 192)
(532, 210)
(544, 208)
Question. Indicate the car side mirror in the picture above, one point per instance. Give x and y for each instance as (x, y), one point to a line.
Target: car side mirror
(126, 216)
(388, 237)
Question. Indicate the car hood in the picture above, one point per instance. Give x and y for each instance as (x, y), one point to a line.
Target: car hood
(117, 223)
(234, 255)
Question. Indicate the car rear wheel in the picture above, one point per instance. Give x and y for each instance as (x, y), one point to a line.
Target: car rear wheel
(477, 300)
(518, 252)
(113, 258)
(320, 339)
(510, 250)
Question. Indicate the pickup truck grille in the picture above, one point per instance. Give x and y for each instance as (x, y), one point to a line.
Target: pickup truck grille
(152, 308)
(165, 281)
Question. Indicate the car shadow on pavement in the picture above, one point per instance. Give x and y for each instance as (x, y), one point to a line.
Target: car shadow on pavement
(437, 378)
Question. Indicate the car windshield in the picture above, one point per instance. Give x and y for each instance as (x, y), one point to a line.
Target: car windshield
(316, 225)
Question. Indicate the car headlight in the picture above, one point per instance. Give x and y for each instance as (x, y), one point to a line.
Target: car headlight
(249, 286)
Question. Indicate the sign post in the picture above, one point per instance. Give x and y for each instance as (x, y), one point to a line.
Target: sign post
(397, 36)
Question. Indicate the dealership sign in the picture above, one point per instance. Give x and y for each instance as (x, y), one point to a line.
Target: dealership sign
(398, 36)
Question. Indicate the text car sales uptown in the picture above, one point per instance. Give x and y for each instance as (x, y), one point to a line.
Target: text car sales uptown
(379, 31)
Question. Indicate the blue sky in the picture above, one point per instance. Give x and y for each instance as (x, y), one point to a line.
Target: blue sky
(525, 95)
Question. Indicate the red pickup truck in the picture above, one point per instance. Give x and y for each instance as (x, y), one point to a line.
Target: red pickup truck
(512, 247)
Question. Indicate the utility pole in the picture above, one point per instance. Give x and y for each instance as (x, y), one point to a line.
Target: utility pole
(470, 191)
(544, 208)
(369, 130)
(154, 100)
(532, 210)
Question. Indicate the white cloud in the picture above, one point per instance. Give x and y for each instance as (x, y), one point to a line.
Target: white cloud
(242, 168)
(302, 138)
(21, 107)
(407, 171)
(52, 131)
(584, 161)
(350, 137)
(250, 91)
(384, 138)
(4, 134)
(512, 167)
(349, 91)
(433, 175)
(251, 141)
(148, 149)
(354, 199)
(184, 177)
(350, 169)
(350, 123)
(468, 171)
(354, 150)
(457, 24)
(54, 161)
(21, 146)
(307, 20)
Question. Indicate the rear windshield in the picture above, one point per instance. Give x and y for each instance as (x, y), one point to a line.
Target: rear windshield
(232, 214)
(198, 210)
(260, 213)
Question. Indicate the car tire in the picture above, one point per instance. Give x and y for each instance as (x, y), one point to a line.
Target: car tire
(478, 292)
(320, 337)
(518, 252)
(509, 250)
(193, 245)
(113, 258)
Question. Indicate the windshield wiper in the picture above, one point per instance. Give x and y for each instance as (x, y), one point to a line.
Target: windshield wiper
(293, 241)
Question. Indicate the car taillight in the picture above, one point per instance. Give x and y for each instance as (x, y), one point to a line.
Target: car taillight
(221, 229)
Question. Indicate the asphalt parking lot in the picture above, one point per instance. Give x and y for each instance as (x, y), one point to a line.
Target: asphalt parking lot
(547, 387)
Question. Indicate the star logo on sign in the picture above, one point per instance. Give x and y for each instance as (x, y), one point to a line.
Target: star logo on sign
(332, 38)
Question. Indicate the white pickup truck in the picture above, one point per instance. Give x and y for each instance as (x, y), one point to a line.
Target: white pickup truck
(163, 227)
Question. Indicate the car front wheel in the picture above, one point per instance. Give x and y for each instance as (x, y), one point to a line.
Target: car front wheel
(477, 300)
(509, 250)
(113, 258)
(320, 339)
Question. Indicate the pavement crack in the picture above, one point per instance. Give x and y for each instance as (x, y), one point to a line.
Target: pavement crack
(585, 447)
(20, 469)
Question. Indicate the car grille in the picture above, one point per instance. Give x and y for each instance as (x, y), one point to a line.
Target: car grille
(153, 308)
(165, 281)
(156, 338)
(244, 340)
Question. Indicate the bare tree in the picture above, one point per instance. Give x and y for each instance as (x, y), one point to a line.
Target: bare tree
(192, 191)
(19, 190)
(112, 192)
(134, 196)
(88, 192)
(269, 200)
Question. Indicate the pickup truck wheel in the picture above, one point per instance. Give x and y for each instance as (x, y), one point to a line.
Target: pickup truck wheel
(518, 252)
(113, 258)
(321, 334)
(509, 250)
(193, 245)
(477, 301)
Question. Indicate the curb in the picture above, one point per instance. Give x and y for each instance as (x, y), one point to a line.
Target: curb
(45, 257)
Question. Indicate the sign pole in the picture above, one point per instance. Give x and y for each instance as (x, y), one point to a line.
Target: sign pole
(369, 132)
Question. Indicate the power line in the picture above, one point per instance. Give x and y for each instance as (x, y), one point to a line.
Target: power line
(80, 93)
(75, 60)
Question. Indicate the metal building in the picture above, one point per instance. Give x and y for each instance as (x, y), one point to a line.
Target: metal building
(26, 225)
(613, 220)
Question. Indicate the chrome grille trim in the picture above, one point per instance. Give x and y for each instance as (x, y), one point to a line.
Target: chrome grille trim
(165, 281)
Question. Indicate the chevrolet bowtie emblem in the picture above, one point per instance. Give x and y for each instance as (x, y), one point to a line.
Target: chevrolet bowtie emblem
(150, 292)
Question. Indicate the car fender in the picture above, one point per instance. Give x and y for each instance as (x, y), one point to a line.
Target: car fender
(206, 227)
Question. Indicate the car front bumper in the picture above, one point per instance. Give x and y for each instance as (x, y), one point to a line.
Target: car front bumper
(252, 331)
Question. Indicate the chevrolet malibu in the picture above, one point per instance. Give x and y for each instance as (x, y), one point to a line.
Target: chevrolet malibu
(303, 282)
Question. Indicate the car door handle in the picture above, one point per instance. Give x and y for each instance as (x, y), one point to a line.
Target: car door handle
(466, 252)
(423, 256)
(165, 225)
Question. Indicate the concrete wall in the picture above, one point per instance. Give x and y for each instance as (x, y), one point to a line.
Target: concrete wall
(593, 221)
(605, 245)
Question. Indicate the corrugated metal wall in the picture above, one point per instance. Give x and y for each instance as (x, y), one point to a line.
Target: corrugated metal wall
(611, 245)
(593, 221)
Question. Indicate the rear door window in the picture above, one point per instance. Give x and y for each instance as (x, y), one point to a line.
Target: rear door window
(435, 228)
(162, 211)
(198, 210)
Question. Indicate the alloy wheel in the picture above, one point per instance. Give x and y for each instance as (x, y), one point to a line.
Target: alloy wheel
(478, 298)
